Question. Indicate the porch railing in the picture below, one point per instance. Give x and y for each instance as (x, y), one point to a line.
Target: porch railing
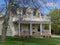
(32, 18)
(46, 32)
(24, 32)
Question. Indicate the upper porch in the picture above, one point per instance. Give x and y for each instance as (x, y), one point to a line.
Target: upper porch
(31, 18)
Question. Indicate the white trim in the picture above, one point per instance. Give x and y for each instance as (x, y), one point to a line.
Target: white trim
(30, 29)
(41, 29)
(19, 28)
(50, 28)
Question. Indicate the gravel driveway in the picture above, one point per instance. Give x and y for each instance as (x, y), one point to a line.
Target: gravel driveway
(55, 36)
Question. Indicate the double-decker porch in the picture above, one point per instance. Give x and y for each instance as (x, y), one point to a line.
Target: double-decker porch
(32, 26)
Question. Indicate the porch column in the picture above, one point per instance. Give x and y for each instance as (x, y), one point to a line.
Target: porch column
(50, 28)
(19, 28)
(41, 29)
(30, 29)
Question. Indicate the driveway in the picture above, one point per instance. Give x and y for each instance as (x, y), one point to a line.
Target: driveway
(55, 36)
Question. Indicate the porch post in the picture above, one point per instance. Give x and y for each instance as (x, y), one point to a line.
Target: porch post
(19, 28)
(50, 28)
(30, 29)
(41, 29)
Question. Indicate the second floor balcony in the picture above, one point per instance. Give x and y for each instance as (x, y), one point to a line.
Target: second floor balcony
(31, 18)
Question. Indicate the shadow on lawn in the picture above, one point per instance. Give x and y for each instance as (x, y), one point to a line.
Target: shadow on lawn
(28, 40)
(38, 41)
(33, 41)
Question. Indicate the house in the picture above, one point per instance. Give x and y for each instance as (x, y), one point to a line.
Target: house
(29, 22)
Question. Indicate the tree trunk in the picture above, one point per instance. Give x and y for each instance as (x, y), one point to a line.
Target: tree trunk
(4, 29)
(5, 23)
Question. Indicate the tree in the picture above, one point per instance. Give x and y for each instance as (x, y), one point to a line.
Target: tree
(5, 23)
(55, 18)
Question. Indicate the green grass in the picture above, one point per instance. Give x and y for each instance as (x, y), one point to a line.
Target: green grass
(31, 41)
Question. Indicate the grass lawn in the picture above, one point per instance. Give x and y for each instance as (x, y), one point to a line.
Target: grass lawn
(31, 41)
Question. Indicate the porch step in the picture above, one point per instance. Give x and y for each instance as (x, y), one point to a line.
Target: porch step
(37, 36)
(46, 36)
(33, 36)
(23, 36)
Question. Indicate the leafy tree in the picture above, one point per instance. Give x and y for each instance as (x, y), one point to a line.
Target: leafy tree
(46, 26)
(55, 18)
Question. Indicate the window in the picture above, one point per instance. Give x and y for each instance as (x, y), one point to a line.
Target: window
(28, 13)
(38, 14)
(38, 28)
(34, 13)
(19, 12)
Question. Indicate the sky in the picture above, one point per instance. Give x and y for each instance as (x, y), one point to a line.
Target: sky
(51, 4)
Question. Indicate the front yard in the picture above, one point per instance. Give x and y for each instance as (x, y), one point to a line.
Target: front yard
(31, 41)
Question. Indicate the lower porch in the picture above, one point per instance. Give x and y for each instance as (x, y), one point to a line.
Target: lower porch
(31, 30)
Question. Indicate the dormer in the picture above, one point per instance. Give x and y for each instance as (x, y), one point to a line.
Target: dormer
(20, 11)
(29, 11)
(38, 12)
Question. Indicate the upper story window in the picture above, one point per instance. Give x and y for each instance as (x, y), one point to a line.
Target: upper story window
(38, 14)
(29, 14)
(34, 13)
(19, 11)
(29, 11)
